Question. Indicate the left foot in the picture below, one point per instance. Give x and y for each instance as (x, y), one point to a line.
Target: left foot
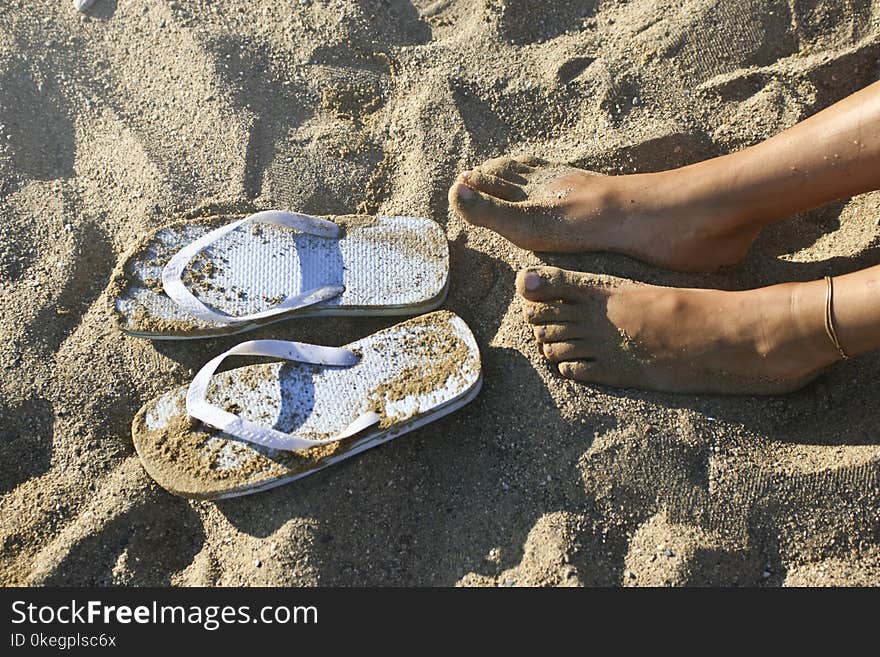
(606, 330)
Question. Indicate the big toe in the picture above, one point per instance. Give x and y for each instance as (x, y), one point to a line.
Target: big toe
(478, 207)
(493, 185)
(548, 284)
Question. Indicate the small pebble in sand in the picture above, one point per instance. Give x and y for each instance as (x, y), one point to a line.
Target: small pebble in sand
(82, 5)
(258, 563)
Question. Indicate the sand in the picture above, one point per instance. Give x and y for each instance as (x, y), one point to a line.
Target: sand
(114, 122)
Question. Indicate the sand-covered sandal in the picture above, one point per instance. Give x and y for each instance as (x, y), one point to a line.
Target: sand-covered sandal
(225, 274)
(260, 426)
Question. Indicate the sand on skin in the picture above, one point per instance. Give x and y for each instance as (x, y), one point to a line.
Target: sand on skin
(111, 124)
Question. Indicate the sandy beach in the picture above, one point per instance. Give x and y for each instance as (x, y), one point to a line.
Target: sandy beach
(117, 121)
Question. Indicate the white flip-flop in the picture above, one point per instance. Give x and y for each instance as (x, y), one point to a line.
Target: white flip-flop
(223, 275)
(260, 426)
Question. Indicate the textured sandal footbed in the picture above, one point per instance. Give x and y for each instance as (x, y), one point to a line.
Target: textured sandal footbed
(410, 374)
(388, 266)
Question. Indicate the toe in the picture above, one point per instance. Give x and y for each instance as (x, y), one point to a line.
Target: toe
(507, 168)
(548, 313)
(558, 332)
(548, 284)
(578, 370)
(587, 371)
(600, 373)
(532, 161)
(568, 350)
(493, 185)
(479, 208)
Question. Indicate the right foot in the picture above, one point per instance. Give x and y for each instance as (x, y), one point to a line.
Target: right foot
(675, 219)
(606, 330)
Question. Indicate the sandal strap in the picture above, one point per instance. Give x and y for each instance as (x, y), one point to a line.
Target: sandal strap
(198, 407)
(172, 273)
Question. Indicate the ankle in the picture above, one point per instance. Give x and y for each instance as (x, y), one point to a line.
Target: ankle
(807, 316)
(711, 193)
(710, 232)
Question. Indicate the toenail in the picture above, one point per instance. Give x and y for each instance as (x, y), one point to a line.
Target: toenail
(465, 193)
(530, 310)
(548, 350)
(466, 175)
(532, 281)
(541, 332)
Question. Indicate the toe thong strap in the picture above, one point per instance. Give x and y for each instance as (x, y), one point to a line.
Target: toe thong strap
(172, 274)
(198, 407)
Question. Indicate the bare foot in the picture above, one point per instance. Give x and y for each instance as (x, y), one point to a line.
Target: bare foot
(677, 219)
(607, 330)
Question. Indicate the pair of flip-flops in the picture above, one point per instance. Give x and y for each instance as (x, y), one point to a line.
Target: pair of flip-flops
(260, 426)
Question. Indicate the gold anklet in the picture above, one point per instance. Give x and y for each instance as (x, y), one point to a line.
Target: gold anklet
(829, 318)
